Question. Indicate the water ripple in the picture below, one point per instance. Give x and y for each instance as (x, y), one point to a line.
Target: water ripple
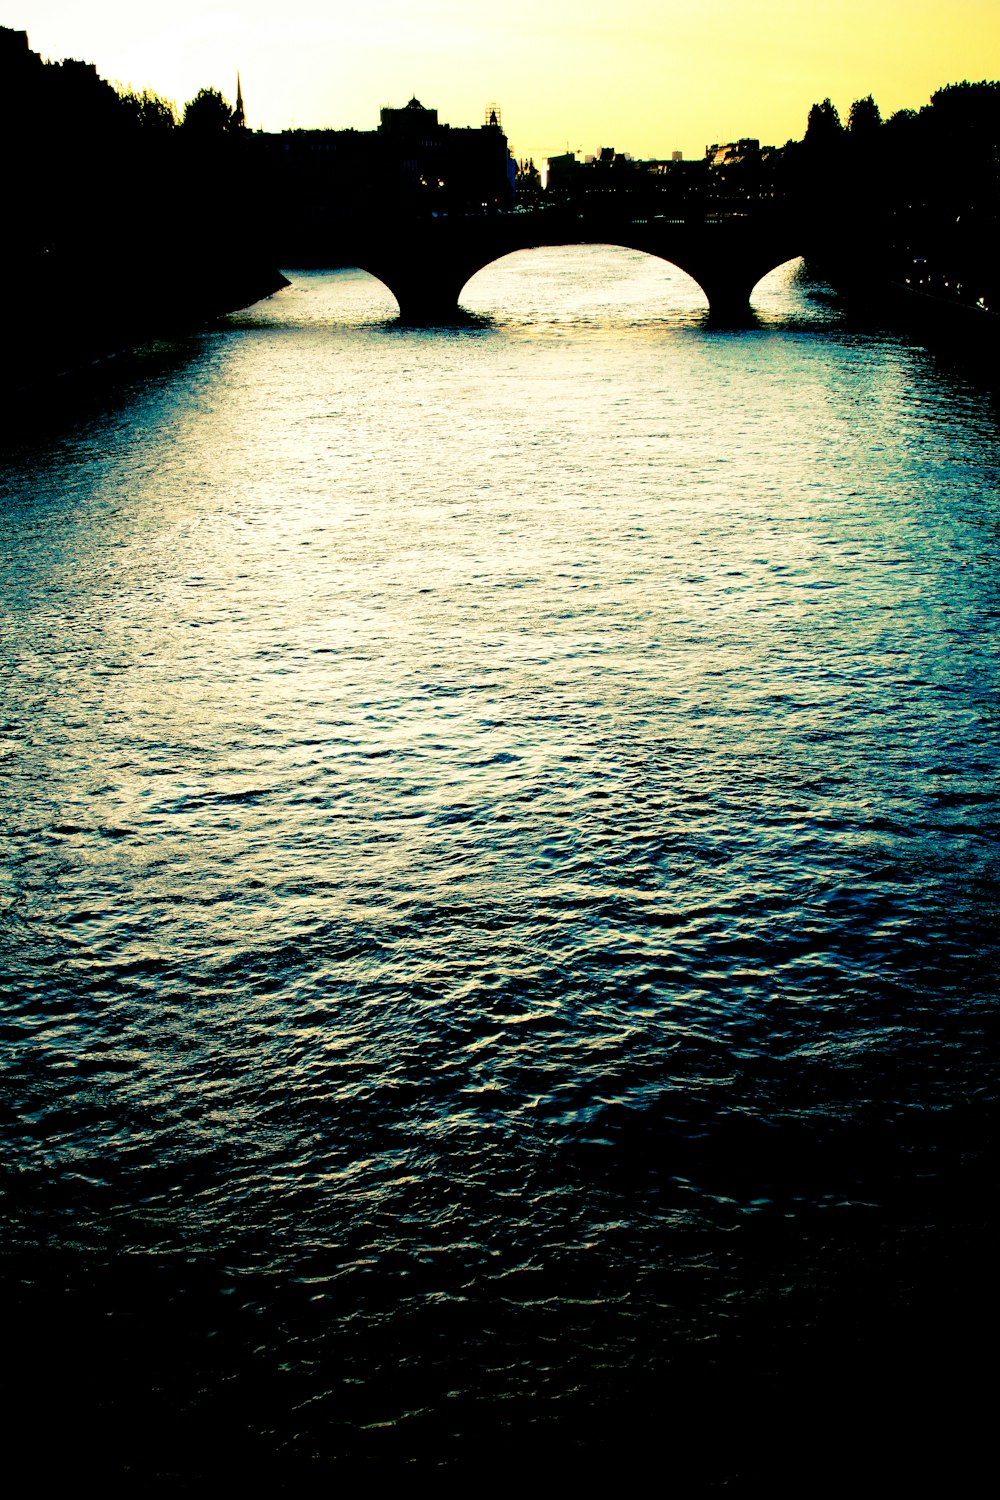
(497, 920)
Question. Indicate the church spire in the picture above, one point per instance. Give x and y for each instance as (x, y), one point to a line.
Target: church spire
(239, 117)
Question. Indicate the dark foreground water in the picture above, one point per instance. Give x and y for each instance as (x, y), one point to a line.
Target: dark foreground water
(499, 900)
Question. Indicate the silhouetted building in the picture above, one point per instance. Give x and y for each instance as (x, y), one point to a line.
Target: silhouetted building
(13, 45)
(733, 151)
(413, 123)
(448, 168)
(410, 161)
(656, 187)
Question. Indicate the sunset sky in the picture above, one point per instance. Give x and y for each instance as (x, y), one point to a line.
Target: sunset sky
(647, 76)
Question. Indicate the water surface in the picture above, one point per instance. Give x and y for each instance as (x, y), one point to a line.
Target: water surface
(499, 892)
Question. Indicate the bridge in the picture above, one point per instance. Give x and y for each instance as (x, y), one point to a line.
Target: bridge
(426, 262)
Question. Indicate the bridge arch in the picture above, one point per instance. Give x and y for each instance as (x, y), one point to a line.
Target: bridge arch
(427, 268)
(665, 273)
(788, 266)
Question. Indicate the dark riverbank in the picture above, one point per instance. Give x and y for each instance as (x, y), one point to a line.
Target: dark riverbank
(75, 312)
(943, 321)
(122, 224)
(875, 300)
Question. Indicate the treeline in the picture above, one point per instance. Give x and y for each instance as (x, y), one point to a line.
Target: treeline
(912, 199)
(82, 155)
(121, 217)
(918, 193)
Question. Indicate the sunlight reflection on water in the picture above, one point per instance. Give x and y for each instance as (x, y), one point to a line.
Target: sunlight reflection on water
(499, 860)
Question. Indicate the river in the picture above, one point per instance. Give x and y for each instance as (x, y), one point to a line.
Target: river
(499, 895)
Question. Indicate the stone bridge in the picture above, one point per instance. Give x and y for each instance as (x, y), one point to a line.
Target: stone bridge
(426, 262)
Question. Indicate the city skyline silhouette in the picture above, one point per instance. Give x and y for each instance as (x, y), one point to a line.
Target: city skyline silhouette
(654, 79)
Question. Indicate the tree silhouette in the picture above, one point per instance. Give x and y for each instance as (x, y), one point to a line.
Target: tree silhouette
(968, 106)
(148, 110)
(208, 113)
(864, 118)
(823, 127)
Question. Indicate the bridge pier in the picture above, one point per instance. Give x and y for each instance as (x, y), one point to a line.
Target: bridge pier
(426, 285)
(728, 301)
(428, 306)
(727, 286)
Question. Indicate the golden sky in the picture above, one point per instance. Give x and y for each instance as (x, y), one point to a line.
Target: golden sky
(646, 76)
